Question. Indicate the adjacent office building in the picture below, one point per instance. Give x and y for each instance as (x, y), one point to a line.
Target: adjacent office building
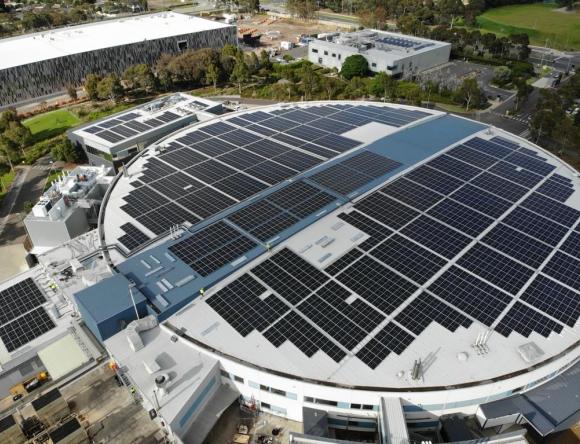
(395, 54)
(44, 63)
(113, 140)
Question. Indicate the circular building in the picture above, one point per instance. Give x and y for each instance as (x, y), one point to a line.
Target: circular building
(334, 255)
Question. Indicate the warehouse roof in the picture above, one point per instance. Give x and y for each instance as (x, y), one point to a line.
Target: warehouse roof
(31, 48)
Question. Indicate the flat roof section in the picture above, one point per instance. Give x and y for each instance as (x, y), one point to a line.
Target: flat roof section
(31, 48)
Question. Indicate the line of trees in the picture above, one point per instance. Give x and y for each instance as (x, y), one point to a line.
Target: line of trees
(556, 119)
(255, 75)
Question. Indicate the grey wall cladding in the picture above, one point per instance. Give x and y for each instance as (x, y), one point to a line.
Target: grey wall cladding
(49, 76)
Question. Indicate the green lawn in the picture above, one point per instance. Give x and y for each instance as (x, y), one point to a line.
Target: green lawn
(539, 21)
(51, 124)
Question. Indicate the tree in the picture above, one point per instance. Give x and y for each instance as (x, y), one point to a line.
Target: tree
(9, 115)
(139, 77)
(265, 62)
(250, 5)
(309, 80)
(91, 83)
(331, 85)
(240, 73)
(68, 152)
(17, 135)
(304, 9)
(502, 75)
(212, 75)
(110, 88)
(470, 93)
(8, 151)
(354, 66)
(72, 92)
(383, 85)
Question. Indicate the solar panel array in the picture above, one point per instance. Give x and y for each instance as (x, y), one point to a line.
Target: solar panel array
(22, 317)
(213, 167)
(126, 126)
(471, 236)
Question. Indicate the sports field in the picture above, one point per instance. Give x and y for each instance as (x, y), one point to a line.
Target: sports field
(541, 22)
(51, 123)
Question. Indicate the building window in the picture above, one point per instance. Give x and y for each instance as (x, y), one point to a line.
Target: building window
(333, 54)
(320, 401)
(99, 153)
(225, 374)
(355, 406)
(319, 59)
(264, 405)
(238, 379)
(314, 50)
(325, 52)
(339, 56)
(182, 45)
(374, 65)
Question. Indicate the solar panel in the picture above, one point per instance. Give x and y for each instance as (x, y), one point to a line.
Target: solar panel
(308, 339)
(26, 328)
(408, 258)
(473, 157)
(337, 143)
(499, 186)
(412, 194)
(391, 338)
(556, 190)
(297, 160)
(434, 180)
(565, 269)
(340, 179)
(273, 227)
(283, 283)
(18, 299)
(496, 268)
(536, 226)
(516, 174)
(241, 305)
(212, 247)
(110, 123)
(270, 172)
(552, 209)
(460, 217)
(240, 186)
(133, 238)
(137, 126)
(162, 218)
(517, 245)
(213, 147)
(381, 287)
(504, 142)
(487, 147)
(93, 129)
(386, 210)
(344, 261)
(110, 136)
(470, 295)
(436, 236)
(482, 201)
(376, 231)
(535, 165)
(206, 202)
(572, 245)
(424, 309)
(456, 168)
(553, 299)
(217, 129)
(337, 325)
(124, 131)
(525, 320)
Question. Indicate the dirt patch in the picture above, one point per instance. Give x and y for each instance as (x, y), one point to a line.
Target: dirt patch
(275, 30)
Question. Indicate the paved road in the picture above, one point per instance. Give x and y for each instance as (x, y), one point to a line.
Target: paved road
(27, 186)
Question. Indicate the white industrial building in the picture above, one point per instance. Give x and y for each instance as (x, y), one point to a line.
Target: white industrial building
(44, 63)
(69, 208)
(395, 54)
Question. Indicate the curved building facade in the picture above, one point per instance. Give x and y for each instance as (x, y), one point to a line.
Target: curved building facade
(331, 254)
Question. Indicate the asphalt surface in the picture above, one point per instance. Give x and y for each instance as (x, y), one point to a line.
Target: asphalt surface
(27, 186)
